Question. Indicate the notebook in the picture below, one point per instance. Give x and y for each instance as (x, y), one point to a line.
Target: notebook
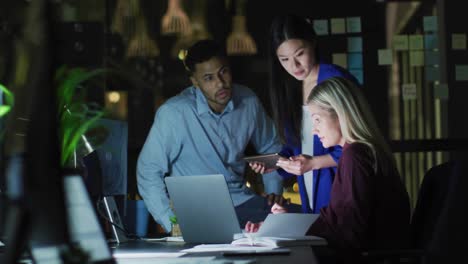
(283, 230)
(204, 208)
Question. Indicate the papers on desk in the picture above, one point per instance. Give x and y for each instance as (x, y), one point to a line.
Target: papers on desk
(278, 230)
(283, 230)
(225, 248)
(191, 260)
(165, 239)
(133, 255)
(275, 242)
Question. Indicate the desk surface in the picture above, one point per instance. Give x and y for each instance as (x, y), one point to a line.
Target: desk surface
(297, 255)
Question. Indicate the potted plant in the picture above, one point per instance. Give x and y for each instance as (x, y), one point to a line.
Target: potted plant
(77, 118)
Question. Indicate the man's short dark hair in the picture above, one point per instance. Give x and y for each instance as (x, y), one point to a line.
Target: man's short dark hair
(202, 51)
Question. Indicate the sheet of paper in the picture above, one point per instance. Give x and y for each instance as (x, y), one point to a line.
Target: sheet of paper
(400, 42)
(340, 59)
(416, 42)
(321, 27)
(461, 72)
(355, 61)
(431, 57)
(432, 73)
(353, 24)
(189, 260)
(459, 41)
(148, 254)
(417, 58)
(222, 248)
(338, 26)
(441, 91)
(430, 23)
(286, 225)
(355, 44)
(165, 239)
(409, 91)
(431, 41)
(385, 57)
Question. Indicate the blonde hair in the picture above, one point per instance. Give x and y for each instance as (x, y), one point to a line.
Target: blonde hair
(342, 98)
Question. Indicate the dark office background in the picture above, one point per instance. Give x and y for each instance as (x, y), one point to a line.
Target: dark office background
(82, 35)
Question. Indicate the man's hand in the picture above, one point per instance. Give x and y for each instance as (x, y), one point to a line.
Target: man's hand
(276, 199)
(259, 167)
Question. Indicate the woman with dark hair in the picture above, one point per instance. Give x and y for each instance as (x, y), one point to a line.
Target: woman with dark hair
(295, 71)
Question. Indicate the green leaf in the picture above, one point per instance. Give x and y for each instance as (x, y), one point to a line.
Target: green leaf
(4, 109)
(173, 219)
(75, 115)
(9, 101)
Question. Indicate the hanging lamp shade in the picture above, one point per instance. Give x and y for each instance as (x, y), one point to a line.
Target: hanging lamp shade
(125, 14)
(239, 41)
(199, 29)
(175, 20)
(141, 44)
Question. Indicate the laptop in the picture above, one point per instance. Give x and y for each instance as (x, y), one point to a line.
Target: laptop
(204, 208)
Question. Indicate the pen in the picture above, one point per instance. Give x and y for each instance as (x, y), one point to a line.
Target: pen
(250, 237)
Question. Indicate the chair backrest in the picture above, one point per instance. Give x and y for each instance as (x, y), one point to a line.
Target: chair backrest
(440, 219)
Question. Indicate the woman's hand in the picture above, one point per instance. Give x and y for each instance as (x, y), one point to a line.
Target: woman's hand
(278, 209)
(252, 227)
(259, 167)
(297, 165)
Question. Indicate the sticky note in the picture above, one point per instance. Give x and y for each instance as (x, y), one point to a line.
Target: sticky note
(338, 26)
(354, 60)
(355, 44)
(461, 72)
(340, 59)
(385, 56)
(321, 27)
(359, 74)
(431, 57)
(416, 58)
(459, 41)
(400, 42)
(430, 23)
(416, 42)
(441, 91)
(432, 73)
(353, 24)
(408, 91)
(431, 41)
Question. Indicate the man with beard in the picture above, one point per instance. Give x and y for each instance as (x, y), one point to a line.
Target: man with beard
(205, 130)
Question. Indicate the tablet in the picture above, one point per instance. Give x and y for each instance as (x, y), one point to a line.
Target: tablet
(269, 160)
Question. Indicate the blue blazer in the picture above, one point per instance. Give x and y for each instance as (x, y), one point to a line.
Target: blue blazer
(322, 178)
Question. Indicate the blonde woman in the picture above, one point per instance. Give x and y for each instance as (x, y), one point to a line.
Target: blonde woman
(369, 206)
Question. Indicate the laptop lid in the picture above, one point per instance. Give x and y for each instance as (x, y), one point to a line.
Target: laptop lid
(204, 208)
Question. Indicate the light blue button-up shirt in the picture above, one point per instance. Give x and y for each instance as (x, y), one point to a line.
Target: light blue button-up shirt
(188, 138)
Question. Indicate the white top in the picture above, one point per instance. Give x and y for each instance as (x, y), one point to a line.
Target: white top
(308, 149)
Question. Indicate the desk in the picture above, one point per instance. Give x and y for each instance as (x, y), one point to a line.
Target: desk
(297, 255)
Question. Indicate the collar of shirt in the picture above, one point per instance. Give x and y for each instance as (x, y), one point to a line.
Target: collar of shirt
(203, 107)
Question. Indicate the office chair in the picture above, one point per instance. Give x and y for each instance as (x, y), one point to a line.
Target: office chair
(439, 224)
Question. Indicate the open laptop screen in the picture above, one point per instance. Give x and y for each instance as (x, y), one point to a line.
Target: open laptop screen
(204, 208)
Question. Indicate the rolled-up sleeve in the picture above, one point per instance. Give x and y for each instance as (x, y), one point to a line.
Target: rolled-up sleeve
(266, 140)
(160, 149)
